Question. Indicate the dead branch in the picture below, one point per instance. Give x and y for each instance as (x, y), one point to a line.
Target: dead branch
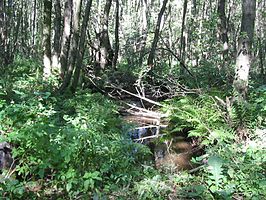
(149, 137)
(138, 96)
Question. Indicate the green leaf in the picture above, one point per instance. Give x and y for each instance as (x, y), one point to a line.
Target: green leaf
(68, 186)
(215, 168)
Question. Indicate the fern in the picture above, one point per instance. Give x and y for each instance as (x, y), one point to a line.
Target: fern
(202, 116)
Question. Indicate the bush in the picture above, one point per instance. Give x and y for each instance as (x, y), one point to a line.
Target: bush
(74, 144)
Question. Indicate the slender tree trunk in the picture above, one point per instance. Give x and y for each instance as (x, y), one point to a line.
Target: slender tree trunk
(34, 23)
(73, 45)
(57, 36)
(222, 26)
(182, 39)
(116, 46)
(106, 51)
(2, 33)
(65, 40)
(243, 60)
(16, 32)
(144, 30)
(47, 5)
(156, 35)
(80, 53)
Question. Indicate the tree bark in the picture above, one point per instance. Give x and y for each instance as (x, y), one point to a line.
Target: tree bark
(156, 35)
(57, 36)
(2, 33)
(116, 45)
(182, 39)
(47, 5)
(34, 23)
(73, 45)
(65, 40)
(222, 26)
(106, 51)
(243, 60)
(80, 53)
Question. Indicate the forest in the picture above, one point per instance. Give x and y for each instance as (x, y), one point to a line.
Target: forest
(133, 99)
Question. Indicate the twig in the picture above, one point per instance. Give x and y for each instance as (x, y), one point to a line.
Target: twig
(196, 169)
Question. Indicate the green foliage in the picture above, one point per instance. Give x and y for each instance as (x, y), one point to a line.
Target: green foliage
(203, 116)
(75, 146)
(76, 141)
(153, 188)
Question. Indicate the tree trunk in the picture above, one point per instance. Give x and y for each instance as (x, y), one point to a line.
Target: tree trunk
(182, 39)
(222, 26)
(2, 33)
(34, 23)
(116, 46)
(243, 60)
(47, 5)
(80, 53)
(73, 45)
(106, 51)
(144, 31)
(65, 40)
(156, 35)
(57, 36)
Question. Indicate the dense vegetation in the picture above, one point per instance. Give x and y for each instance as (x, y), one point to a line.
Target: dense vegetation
(68, 73)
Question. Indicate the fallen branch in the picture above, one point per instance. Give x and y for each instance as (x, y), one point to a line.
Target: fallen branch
(152, 126)
(138, 96)
(149, 137)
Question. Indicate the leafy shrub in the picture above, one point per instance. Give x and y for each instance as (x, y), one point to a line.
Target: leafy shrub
(75, 143)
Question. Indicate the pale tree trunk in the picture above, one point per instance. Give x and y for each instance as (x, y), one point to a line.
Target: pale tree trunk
(81, 50)
(57, 36)
(243, 60)
(73, 45)
(156, 35)
(47, 5)
(65, 40)
(144, 30)
(116, 45)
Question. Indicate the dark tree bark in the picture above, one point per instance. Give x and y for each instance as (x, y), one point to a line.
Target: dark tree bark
(65, 40)
(182, 39)
(34, 23)
(47, 5)
(243, 60)
(81, 50)
(57, 36)
(156, 35)
(73, 45)
(116, 45)
(222, 26)
(16, 32)
(2, 33)
(106, 51)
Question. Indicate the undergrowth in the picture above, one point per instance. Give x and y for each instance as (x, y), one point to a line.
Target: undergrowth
(75, 146)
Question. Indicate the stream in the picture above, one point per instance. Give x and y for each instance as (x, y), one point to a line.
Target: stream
(171, 154)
